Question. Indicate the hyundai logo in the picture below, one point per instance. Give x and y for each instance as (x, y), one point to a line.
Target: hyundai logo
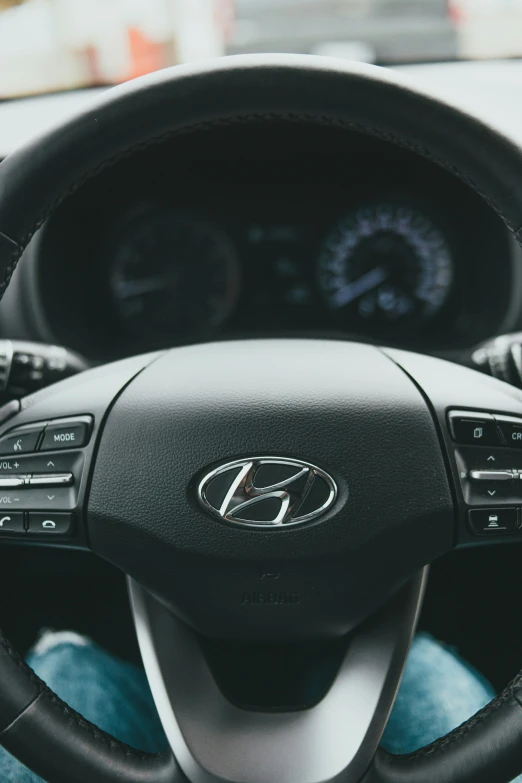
(267, 492)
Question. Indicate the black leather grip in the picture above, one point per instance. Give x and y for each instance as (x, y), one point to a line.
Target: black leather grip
(485, 749)
(17, 691)
(61, 746)
(58, 744)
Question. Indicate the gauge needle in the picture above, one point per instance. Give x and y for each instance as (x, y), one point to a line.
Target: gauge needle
(126, 289)
(357, 288)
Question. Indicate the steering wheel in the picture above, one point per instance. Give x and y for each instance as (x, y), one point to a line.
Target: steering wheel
(262, 495)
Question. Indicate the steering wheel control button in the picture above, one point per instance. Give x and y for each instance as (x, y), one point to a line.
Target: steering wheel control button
(28, 499)
(493, 475)
(21, 441)
(50, 524)
(494, 521)
(65, 462)
(12, 522)
(511, 428)
(50, 480)
(489, 476)
(42, 480)
(474, 429)
(9, 482)
(70, 435)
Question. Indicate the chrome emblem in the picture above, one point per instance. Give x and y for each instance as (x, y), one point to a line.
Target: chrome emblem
(267, 492)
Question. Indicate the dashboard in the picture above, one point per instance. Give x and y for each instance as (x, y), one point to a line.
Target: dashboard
(268, 233)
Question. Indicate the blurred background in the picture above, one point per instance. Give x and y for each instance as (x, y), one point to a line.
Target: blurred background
(51, 45)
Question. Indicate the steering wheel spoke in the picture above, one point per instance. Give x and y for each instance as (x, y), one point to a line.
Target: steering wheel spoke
(215, 739)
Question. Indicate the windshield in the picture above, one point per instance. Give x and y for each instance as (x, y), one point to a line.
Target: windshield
(50, 45)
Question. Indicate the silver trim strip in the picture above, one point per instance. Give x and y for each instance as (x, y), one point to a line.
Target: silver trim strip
(51, 480)
(216, 741)
(12, 481)
(43, 480)
(492, 475)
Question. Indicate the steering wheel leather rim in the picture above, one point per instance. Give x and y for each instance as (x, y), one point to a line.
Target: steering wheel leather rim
(243, 89)
(184, 100)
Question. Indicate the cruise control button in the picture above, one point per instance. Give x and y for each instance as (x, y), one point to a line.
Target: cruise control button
(474, 429)
(493, 521)
(65, 436)
(50, 524)
(511, 430)
(12, 523)
(20, 442)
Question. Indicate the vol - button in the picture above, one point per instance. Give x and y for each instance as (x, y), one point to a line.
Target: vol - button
(9, 499)
(28, 499)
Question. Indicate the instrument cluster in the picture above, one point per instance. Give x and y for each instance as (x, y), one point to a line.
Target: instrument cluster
(356, 241)
(381, 268)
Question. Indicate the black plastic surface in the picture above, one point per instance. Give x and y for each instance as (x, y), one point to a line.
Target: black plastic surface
(343, 407)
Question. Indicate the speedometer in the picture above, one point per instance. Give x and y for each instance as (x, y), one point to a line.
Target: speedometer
(386, 263)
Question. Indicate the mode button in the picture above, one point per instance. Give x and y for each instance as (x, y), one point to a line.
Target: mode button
(70, 435)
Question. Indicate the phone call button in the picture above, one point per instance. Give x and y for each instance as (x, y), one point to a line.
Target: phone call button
(51, 523)
(11, 521)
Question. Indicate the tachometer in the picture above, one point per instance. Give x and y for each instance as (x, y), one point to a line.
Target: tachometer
(386, 263)
(172, 274)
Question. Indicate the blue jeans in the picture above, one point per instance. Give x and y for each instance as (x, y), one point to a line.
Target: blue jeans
(438, 692)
